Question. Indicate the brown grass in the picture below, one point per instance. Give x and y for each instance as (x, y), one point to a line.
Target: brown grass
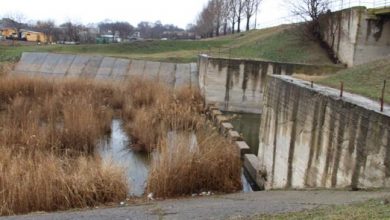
(39, 181)
(49, 130)
(182, 167)
(48, 135)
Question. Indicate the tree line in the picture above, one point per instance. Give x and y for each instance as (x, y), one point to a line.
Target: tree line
(74, 31)
(225, 17)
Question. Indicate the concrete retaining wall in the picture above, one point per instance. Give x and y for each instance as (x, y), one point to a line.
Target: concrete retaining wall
(238, 85)
(309, 137)
(358, 35)
(99, 67)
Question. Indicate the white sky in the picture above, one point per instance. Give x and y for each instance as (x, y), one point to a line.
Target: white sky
(178, 12)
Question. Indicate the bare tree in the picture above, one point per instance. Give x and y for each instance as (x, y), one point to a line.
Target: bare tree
(124, 29)
(250, 9)
(225, 15)
(240, 10)
(216, 6)
(71, 31)
(310, 11)
(46, 27)
(233, 6)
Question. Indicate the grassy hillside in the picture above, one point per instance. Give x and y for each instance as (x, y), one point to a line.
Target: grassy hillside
(366, 79)
(277, 44)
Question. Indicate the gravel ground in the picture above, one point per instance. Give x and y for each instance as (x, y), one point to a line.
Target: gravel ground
(234, 206)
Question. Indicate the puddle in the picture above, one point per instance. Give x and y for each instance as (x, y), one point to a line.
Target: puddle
(116, 149)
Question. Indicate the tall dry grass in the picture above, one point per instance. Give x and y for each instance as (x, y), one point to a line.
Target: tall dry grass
(48, 135)
(183, 166)
(49, 130)
(37, 181)
(154, 111)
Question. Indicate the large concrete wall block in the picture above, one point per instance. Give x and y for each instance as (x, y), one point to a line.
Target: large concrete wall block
(137, 68)
(194, 77)
(121, 68)
(78, 65)
(152, 70)
(356, 35)
(239, 85)
(36, 62)
(106, 67)
(167, 73)
(182, 75)
(63, 65)
(26, 61)
(92, 67)
(49, 64)
(312, 138)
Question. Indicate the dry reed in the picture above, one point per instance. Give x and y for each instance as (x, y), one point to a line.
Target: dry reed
(48, 135)
(49, 130)
(183, 166)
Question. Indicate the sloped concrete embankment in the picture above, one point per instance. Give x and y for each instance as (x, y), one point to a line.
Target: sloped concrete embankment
(238, 85)
(99, 67)
(310, 137)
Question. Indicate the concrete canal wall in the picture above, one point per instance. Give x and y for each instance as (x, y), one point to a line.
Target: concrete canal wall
(99, 67)
(238, 85)
(312, 138)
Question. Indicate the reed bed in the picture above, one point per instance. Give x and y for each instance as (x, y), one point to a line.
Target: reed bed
(194, 163)
(181, 167)
(48, 134)
(49, 130)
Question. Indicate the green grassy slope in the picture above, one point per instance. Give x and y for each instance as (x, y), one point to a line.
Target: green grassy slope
(276, 44)
(374, 209)
(366, 79)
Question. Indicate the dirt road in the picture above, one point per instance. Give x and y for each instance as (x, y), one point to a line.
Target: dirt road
(232, 206)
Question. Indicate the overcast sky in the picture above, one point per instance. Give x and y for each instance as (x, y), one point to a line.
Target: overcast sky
(178, 12)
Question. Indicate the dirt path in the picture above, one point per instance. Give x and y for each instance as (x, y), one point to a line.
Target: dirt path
(232, 206)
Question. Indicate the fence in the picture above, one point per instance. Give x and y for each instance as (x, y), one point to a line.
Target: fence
(334, 5)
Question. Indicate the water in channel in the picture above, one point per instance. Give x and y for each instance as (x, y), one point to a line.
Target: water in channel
(116, 149)
(249, 126)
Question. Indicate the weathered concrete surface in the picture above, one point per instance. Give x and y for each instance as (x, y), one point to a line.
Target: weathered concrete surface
(31, 64)
(235, 206)
(75, 69)
(99, 67)
(63, 65)
(309, 137)
(106, 68)
(238, 85)
(357, 35)
(253, 166)
(120, 69)
(167, 73)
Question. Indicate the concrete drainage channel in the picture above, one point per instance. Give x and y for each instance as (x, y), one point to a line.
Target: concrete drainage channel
(251, 163)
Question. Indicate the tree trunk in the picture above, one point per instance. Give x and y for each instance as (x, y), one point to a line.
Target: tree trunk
(217, 29)
(238, 25)
(233, 26)
(225, 28)
(248, 19)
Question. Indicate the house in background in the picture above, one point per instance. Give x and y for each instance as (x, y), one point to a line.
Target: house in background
(9, 33)
(34, 36)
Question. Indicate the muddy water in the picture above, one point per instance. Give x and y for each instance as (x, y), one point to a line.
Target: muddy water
(116, 149)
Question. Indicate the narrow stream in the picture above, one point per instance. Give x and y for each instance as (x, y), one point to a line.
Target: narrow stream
(116, 149)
